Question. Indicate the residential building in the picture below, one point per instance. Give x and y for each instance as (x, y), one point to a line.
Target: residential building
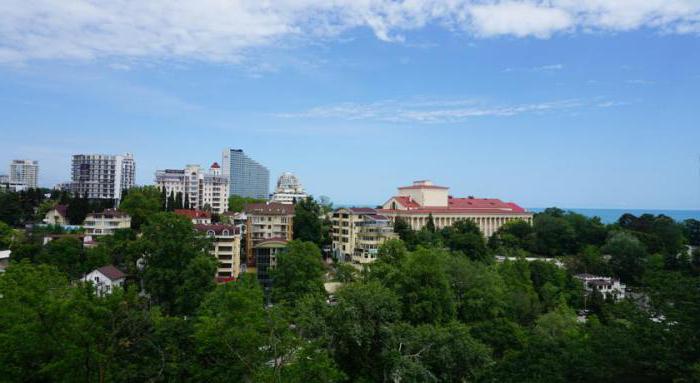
(358, 233)
(226, 248)
(4, 179)
(24, 172)
(105, 279)
(289, 189)
(608, 287)
(247, 177)
(106, 223)
(201, 190)
(266, 252)
(57, 216)
(86, 239)
(12, 186)
(198, 217)
(266, 221)
(102, 176)
(418, 202)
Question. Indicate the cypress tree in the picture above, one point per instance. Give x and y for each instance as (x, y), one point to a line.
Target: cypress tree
(163, 200)
(187, 201)
(178, 201)
(431, 223)
(171, 201)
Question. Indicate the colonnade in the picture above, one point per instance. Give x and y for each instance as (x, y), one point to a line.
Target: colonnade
(488, 224)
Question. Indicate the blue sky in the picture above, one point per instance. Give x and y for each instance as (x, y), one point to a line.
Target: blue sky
(576, 104)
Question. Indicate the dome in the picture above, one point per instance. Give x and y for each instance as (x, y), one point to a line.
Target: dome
(288, 181)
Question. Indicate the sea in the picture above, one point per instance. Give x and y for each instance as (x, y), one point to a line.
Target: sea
(612, 215)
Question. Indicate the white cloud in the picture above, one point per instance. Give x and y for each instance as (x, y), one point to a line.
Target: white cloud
(436, 111)
(519, 19)
(226, 30)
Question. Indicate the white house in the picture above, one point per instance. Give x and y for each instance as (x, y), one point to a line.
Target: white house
(4, 259)
(606, 286)
(105, 279)
(57, 216)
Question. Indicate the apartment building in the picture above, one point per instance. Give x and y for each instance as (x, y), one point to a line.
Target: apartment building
(266, 221)
(289, 189)
(102, 176)
(358, 233)
(247, 177)
(24, 172)
(106, 223)
(204, 190)
(226, 248)
(416, 203)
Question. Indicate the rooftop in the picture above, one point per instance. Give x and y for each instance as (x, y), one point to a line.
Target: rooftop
(269, 208)
(111, 272)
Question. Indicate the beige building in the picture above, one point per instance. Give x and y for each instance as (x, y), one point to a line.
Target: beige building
(106, 223)
(266, 221)
(358, 233)
(226, 248)
(415, 204)
(57, 216)
(204, 191)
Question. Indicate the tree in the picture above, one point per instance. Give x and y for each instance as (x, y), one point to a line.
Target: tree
(430, 225)
(66, 254)
(512, 235)
(478, 289)
(436, 353)
(141, 203)
(465, 237)
(553, 235)
(424, 287)
(6, 236)
(299, 272)
(78, 209)
(308, 226)
(10, 208)
(170, 244)
(692, 231)
(521, 300)
(361, 321)
(404, 231)
(179, 203)
(236, 203)
(627, 256)
(230, 332)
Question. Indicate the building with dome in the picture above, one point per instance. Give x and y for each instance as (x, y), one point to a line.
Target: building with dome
(289, 189)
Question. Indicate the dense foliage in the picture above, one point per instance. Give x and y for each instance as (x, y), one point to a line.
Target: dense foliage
(436, 306)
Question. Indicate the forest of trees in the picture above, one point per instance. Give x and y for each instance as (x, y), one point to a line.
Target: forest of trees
(434, 307)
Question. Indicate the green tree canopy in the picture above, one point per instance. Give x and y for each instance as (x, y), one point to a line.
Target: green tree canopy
(141, 203)
(299, 272)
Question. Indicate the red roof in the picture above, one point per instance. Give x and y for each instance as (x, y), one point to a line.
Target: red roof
(422, 186)
(225, 279)
(269, 208)
(459, 206)
(193, 213)
(111, 272)
(363, 210)
(215, 165)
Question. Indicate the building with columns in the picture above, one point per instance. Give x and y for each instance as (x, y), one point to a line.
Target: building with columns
(417, 202)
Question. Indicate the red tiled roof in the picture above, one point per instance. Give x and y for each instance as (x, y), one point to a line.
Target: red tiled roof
(483, 203)
(215, 165)
(407, 202)
(190, 213)
(225, 279)
(111, 272)
(217, 228)
(269, 208)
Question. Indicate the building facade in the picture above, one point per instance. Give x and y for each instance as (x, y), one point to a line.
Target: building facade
(289, 190)
(358, 233)
(57, 216)
(247, 177)
(608, 287)
(418, 202)
(226, 248)
(106, 223)
(105, 279)
(267, 221)
(24, 172)
(102, 176)
(204, 191)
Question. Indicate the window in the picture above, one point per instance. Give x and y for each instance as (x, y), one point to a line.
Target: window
(210, 233)
(224, 232)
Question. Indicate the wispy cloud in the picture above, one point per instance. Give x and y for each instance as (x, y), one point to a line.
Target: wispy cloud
(541, 68)
(436, 111)
(227, 30)
(639, 82)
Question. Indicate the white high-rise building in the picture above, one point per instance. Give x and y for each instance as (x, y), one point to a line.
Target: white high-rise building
(204, 191)
(102, 176)
(24, 172)
(289, 189)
